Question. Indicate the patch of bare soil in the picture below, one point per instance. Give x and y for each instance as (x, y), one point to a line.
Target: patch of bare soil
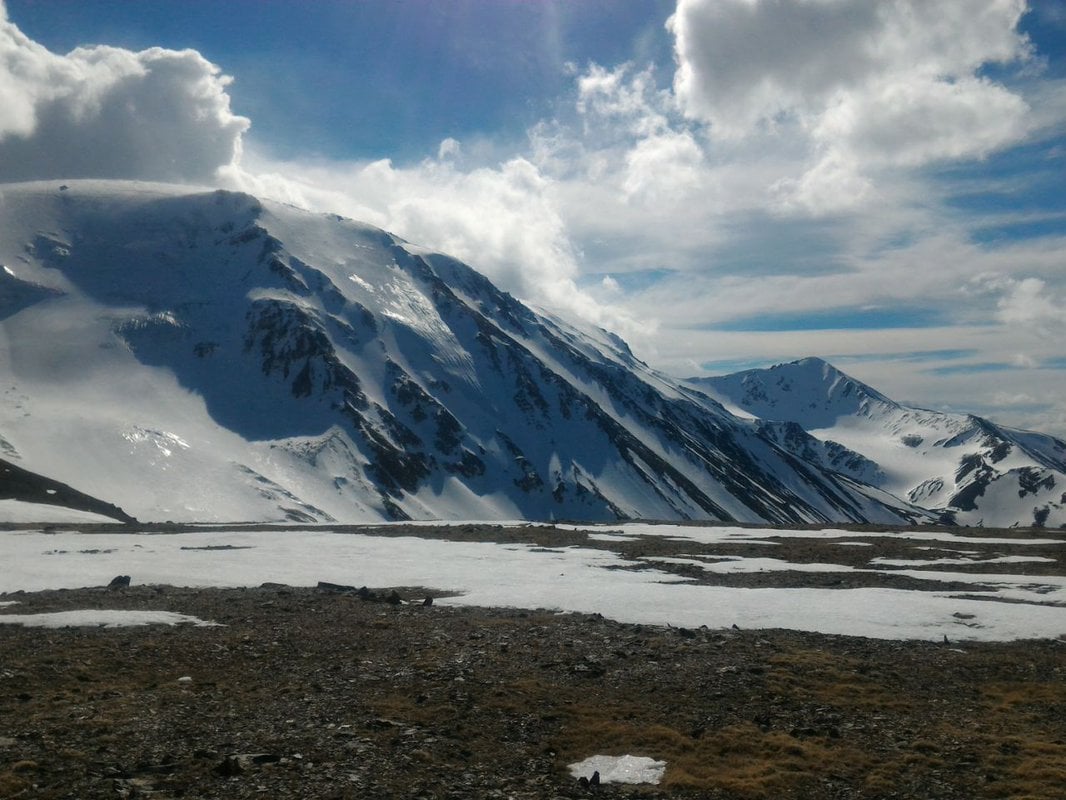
(305, 693)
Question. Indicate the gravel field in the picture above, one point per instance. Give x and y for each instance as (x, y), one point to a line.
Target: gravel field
(331, 693)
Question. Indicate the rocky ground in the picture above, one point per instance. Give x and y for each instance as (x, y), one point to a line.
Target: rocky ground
(326, 693)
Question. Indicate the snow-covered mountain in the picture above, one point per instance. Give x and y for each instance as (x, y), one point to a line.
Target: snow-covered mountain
(201, 355)
(962, 467)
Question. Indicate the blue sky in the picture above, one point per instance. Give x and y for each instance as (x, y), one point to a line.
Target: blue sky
(726, 183)
(387, 79)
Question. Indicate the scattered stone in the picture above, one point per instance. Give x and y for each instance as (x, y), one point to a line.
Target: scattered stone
(463, 702)
(119, 582)
(264, 758)
(230, 767)
(240, 763)
(339, 588)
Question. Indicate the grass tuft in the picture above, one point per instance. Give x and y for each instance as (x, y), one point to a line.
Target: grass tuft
(741, 759)
(12, 785)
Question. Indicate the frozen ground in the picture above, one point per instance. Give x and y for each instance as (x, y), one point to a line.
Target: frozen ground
(1025, 597)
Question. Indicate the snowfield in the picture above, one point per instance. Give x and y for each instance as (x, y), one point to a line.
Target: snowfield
(592, 578)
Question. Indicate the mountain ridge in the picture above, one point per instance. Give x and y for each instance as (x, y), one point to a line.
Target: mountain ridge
(961, 467)
(202, 355)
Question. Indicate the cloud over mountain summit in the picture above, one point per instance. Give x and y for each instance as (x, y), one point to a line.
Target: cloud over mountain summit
(107, 112)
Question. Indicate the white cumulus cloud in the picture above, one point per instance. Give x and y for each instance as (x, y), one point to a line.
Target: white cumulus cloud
(745, 62)
(112, 113)
(867, 84)
(1029, 301)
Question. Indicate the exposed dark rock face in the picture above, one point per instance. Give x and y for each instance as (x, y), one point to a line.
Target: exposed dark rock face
(17, 483)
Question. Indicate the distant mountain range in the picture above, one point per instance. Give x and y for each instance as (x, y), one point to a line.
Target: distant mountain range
(964, 469)
(205, 356)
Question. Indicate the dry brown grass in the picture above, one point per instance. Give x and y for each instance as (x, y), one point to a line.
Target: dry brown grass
(1017, 695)
(1027, 768)
(837, 680)
(742, 759)
(14, 781)
(435, 695)
(752, 763)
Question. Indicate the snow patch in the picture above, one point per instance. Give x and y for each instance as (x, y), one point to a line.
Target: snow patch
(361, 283)
(165, 442)
(102, 618)
(620, 769)
(21, 511)
(722, 534)
(1002, 607)
(738, 564)
(918, 562)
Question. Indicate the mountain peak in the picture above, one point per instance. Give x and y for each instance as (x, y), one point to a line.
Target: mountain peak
(810, 362)
(809, 391)
(243, 359)
(197, 355)
(966, 469)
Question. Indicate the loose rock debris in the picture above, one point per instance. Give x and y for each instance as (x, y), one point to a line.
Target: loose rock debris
(308, 693)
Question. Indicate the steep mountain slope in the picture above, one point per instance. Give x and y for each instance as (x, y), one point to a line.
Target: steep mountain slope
(963, 467)
(36, 491)
(202, 355)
